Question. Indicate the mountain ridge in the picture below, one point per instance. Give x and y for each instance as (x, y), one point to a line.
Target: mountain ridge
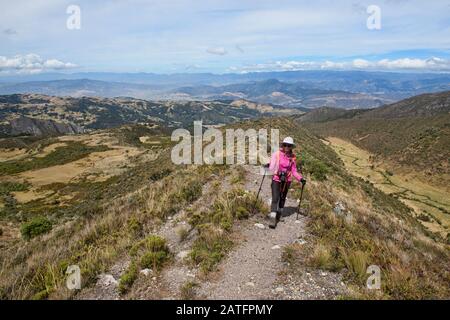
(414, 132)
(384, 86)
(99, 113)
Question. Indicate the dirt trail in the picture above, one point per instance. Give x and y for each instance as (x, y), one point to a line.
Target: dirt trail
(252, 269)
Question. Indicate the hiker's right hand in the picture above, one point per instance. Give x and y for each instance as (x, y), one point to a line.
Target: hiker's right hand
(303, 181)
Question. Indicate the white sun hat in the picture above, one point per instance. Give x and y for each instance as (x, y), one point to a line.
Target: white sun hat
(289, 140)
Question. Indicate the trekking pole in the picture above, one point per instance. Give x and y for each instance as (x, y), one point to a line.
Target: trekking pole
(300, 202)
(257, 195)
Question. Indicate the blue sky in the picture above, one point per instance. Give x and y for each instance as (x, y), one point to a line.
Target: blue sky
(223, 36)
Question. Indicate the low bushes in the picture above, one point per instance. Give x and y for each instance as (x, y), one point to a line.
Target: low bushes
(35, 227)
(151, 252)
(128, 278)
(210, 247)
(318, 169)
(8, 186)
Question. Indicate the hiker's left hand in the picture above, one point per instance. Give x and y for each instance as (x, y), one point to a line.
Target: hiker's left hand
(303, 181)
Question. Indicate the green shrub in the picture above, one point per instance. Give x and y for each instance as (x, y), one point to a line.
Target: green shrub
(156, 243)
(151, 252)
(210, 247)
(242, 213)
(187, 290)
(154, 260)
(35, 227)
(191, 192)
(128, 278)
(196, 218)
(317, 168)
(135, 226)
(8, 186)
(41, 295)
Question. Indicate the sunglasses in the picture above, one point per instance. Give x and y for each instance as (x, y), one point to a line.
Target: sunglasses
(287, 145)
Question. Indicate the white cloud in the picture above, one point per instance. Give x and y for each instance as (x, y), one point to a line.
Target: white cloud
(361, 63)
(32, 63)
(431, 64)
(220, 51)
(406, 63)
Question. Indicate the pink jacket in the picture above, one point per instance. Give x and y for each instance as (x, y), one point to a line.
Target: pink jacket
(283, 163)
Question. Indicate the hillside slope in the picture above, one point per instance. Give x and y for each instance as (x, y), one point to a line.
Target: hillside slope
(324, 114)
(413, 133)
(136, 230)
(425, 105)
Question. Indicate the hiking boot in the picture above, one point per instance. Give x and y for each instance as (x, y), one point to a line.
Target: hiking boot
(280, 216)
(273, 219)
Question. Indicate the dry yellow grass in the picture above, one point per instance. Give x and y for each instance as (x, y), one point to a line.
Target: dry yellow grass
(14, 154)
(9, 233)
(97, 165)
(29, 195)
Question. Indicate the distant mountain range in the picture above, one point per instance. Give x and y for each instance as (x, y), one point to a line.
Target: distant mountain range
(82, 88)
(305, 89)
(36, 114)
(296, 94)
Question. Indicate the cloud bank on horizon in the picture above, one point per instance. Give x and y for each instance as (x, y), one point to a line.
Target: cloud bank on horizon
(224, 36)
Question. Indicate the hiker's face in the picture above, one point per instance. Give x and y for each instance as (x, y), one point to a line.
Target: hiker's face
(287, 147)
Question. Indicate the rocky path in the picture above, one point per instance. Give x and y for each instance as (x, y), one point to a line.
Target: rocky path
(252, 269)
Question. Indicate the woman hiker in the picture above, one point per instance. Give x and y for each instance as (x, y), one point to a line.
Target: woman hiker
(283, 166)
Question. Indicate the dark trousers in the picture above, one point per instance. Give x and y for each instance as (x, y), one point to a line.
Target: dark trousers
(279, 193)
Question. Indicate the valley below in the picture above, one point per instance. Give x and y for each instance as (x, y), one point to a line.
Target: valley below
(431, 203)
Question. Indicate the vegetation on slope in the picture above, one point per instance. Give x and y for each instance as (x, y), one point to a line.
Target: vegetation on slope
(61, 155)
(413, 133)
(379, 230)
(376, 229)
(35, 114)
